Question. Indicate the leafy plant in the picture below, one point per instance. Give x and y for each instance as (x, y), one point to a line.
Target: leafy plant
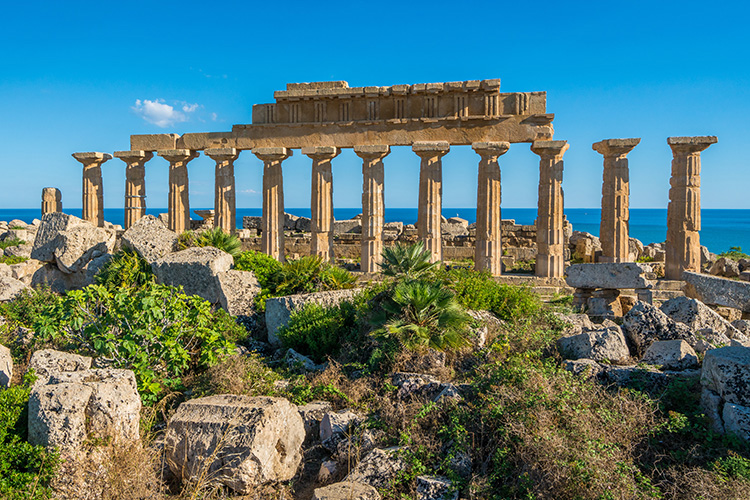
(126, 269)
(217, 238)
(12, 259)
(262, 265)
(407, 261)
(13, 242)
(734, 253)
(319, 331)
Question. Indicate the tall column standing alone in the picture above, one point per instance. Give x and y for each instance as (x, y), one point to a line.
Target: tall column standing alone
(179, 199)
(488, 252)
(93, 189)
(683, 252)
(321, 200)
(613, 230)
(272, 223)
(225, 204)
(429, 218)
(51, 200)
(373, 204)
(135, 184)
(549, 219)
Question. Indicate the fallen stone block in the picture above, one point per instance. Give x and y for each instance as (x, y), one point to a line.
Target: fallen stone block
(237, 292)
(6, 366)
(57, 415)
(70, 242)
(698, 316)
(48, 362)
(435, 488)
(150, 238)
(196, 270)
(312, 414)
(717, 291)
(10, 288)
(671, 355)
(726, 371)
(608, 275)
(379, 468)
(346, 490)
(602, 344)
(737, 420)
(644, 324)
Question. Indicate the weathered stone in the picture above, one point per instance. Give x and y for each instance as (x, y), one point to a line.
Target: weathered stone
(587, 368)
(48, 362)
(608, 275)
(737, 420)
(742, 325)
(346, 490)
(698, 316)
(347, 226)
(603, 344)
(635, 249)
(718, 291)
(726, 371)
(6, 366)
(279, 309)
(671, 355)
(435, 488)
(379, 467)
(150, 238)
(196, 270)
(415, 384)
(644, 376)
(644, 324)
(51, 200)
(328, 469)
(237, 292)
(576, 323)
(725, 267)
(299, 362)
(10, 288)
(238, 441)
(251, 222)
(334, 425)
(23, 250)
(70, 242)
(712, 406)
(312, 414)
(57, 415)
(373, 204)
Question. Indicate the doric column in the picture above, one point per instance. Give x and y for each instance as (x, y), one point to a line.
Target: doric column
(93, 190)
(135, 184)
(179, 199)
(225, 204)
(429, 218)
(549, 219)
(321, 199)
(272, 223)
(488, 251)
(373, 204)
(51, 200)
(683, 252)
(613, 230)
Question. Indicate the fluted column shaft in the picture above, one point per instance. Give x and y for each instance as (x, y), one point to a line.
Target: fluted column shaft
(93, 188)
(683, 250)
(488, 251)
(272, 223)
(51, 200)
(225, 201)
(613, 229)
(179, 197)
(321, 200)
(135, 184)
(429, 218)
(373, 204)
(549, 221)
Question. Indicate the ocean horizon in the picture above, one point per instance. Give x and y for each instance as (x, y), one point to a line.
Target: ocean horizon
(721, 228)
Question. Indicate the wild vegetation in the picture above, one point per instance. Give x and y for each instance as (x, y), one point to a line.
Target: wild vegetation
(734, 253)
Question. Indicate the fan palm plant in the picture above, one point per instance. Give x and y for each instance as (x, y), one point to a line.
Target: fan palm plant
(407, 261)
(217, 238)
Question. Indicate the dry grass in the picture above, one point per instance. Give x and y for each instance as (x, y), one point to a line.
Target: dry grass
(239, 374)
(694, 483)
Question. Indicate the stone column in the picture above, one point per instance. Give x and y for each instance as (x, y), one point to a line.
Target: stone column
(321, 200)
(488, 251)
(549, 219)
(683, 252)
(93, 189)
(51, 200)
(225, 204)
(179, 199)
(272, 223)
(373, 204)
(135, 184)
(430, 218)
(613, 231)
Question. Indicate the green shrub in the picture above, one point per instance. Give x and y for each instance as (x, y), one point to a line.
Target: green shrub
(319, 331)
(25, 470)
(126, 269)
(217, 238)
(12, 259)
(28, 307)
(11, 243)
(734, 253)
(311, 274)
(407, 261)
(262, 265)
(733, 466)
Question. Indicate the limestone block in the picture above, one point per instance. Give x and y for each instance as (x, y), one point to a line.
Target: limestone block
(252, 222)
(608, 275)
(698, 316)
(725, 267)
(301, 363)
(196, 270)
(303, 224)
(644, 324)
(346, 490)
(742, 325)
(435, 488)
(745, 275)
(150, 238)
(23, 250)
(17, 223)
(70, 242)
(57, 415)
(396, 227)
(239, 441)
(644, 375)
(10, 288)
(737, 420)
(347, 226)
(587, 368)
(6, 366)
(712, 405)
(378, 468)
(335, 425)
(726, 372)
(237, 291)
(671, 355)
(312, 414)
(279, 309)
(635, 248)
(290, 222)
(48, 362)
(576, 323)
(717, 291)
(603, 344)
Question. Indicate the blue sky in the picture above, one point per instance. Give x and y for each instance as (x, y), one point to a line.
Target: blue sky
(83, 76)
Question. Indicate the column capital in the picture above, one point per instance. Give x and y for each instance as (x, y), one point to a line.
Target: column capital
(177, 155)
(615, 147)
(222, 154)
(431, 149)
(550, 149)
(133, 156)
(490, 149)
(92, 157)
(272, 154)
(321, 152)
(372, 151)
(690, 145)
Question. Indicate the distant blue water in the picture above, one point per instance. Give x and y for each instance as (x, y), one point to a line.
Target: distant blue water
(721, 228)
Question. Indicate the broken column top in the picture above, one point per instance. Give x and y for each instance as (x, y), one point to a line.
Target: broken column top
(549, 148)
(691, 144)
(615, 146)
(92, 156)
(132, 154)
(497, 148)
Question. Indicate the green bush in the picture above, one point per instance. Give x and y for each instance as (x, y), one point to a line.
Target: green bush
(126, 269)
(319, 331)
(217, 238)
(12, 259)
(11, 243)
(407, 261)
(25, 470)
(734, 253)
(262, 265)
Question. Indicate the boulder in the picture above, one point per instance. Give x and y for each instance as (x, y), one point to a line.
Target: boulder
(346, 490)
(6, 366)
(23, 250)
(150, 238)
(312, 414)
(644, 324)
(48, 362)
(635, 249)
(379, 467)
(196, 270)
(303, 225)
(237, 291)
(608, 275)
(57, 415)
(415, 384)
(335, 425)
(575, 323)
(279, 309)
(347, 226)
(717, 291)
(70, 242)
(726, 372)
(299, 362)
(736, 420)
(239, 441)
(435, 488)
(290, 222)
(671, 355)
(698, 316)
(726, 267)
(601, 344)
(10, 288)
(252, 222)
(743, 326)
(587, 368)
(644, 376)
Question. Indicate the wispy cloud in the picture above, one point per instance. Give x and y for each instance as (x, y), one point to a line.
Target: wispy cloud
(249, 191)
(162, 114)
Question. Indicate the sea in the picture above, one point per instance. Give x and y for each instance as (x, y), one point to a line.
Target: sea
(721, 228)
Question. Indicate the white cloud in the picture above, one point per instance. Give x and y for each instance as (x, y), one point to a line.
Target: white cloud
(249, 191)
(162, 114)
(189, 108)
(214, 116)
